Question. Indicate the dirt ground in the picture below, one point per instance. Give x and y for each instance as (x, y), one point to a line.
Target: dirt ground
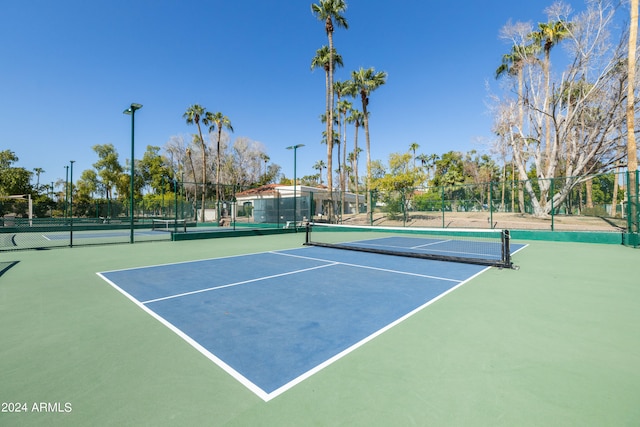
(511, 221)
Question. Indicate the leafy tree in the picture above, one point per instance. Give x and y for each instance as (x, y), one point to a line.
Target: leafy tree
(155, 171)
(108, 168)
(88, 184)
(397, 186)
(123, 185)
(430, 201)
(13, 180)
(449, 170)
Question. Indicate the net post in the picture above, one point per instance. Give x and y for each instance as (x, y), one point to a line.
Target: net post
(506, 250)
(307, 233)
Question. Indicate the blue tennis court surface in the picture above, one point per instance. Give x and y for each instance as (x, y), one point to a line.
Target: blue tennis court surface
(273, 319)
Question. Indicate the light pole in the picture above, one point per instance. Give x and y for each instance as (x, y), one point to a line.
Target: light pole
(53, 192)
(71, 205)
(66, 192)
(295, 150)
(132, 112)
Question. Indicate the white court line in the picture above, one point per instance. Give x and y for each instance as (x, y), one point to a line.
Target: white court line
(199, 291)
(228, 369)
(371, 268)
(483, 255)
(363, 341)
(189, 261)
(432, 243)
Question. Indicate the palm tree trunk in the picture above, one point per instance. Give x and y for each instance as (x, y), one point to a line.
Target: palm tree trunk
(330, 122)
(547, 127)
(345, 178)
(204, 178)
(218, 213)
(329, 144)
(366, 137)
(195, 184)
(204, 174)
(355, 167)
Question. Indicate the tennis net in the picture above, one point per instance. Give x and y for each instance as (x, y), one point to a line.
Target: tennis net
(484, 247)
(179, 225)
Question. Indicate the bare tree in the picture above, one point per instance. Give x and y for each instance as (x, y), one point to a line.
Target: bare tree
(632, 150)
(584, 109)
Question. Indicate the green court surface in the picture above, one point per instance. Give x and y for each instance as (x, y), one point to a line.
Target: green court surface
(555, 343)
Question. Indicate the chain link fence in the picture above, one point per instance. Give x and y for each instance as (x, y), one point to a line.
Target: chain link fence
(604, 202)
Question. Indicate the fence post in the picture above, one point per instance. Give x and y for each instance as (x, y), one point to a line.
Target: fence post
(404, 208)
(553, 189)
(442, 207)
(491, 205)
(369, 207)
(633, 204)
(175, 205)
(637, 205)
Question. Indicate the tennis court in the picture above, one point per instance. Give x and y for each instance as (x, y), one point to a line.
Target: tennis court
(262, 330)
(272, 319)
(50, 237)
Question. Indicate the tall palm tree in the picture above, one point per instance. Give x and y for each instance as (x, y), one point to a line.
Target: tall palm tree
(549, 35)
(513, 64)
(353, 161)
(220, 121)
(197, 114)
(340, 89)
(632, 151)
(365, 82)
(319, 166)
(38, 171)
(193, 173)
(356, 117)
(424, 162)
(265, 159)
(413, 148)
(331, 13)
(323, 59)
(343, 107)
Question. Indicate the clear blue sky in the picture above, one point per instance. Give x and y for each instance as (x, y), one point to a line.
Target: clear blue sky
(70, 67)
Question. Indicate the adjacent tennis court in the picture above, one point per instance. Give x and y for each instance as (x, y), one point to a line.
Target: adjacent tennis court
(264, 330)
